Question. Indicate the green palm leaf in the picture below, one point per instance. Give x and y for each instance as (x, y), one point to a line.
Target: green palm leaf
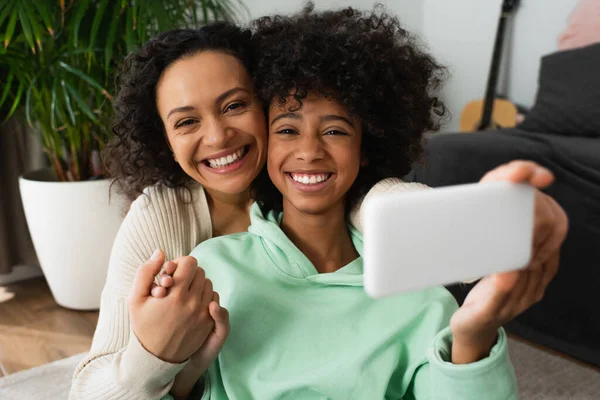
(85, 77)
(97, 21)
(81, 103)
(26, 26)
(58, 59)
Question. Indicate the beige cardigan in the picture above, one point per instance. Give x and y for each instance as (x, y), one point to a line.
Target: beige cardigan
(117, 366)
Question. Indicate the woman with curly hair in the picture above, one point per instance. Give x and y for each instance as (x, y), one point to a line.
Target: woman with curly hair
(345, 91)
(191, 139)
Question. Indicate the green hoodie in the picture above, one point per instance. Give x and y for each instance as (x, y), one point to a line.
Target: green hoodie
(298, 334)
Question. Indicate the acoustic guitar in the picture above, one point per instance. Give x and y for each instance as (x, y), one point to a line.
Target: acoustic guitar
(492, 112)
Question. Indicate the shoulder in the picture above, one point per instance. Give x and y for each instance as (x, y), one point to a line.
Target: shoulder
(396, 185)
(177, 198)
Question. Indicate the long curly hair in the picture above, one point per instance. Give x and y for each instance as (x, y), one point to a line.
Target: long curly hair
(367, 62)
(139, 154)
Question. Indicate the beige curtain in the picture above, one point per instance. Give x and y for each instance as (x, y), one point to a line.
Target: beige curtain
(19, 152)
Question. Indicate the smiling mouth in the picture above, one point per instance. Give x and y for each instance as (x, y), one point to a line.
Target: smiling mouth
(226, 161)
(310, 179)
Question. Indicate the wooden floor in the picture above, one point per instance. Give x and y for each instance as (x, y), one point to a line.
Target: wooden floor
(34, 330)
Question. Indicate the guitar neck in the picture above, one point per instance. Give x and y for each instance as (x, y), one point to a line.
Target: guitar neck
(492, 82)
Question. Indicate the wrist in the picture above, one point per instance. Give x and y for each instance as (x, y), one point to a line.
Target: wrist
(472, 348)
(185, 381)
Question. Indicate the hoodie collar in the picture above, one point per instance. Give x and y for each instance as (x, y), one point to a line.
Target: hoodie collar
(289, 260)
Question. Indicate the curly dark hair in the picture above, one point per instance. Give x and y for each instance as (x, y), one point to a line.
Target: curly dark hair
(139, 155)
(367, 62)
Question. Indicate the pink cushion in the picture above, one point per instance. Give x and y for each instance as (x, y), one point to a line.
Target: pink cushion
(584, 26)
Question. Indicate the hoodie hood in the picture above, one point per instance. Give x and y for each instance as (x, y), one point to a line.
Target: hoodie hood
(289, 260)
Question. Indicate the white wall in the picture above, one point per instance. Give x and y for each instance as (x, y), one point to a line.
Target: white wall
(461, 34)
(537, 26)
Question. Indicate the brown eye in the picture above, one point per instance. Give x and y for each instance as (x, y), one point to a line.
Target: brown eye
(335, 132)
(234, 106)
(185, 122)
(287, 131)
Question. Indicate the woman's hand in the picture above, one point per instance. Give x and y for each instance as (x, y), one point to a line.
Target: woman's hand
(172, 328)
(499, 298)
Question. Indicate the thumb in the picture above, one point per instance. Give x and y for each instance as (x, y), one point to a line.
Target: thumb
(144, 277)
(220, 315)
(521, 171)
(214, 342)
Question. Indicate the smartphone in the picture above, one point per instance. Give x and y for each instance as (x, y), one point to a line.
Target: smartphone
(415, 240)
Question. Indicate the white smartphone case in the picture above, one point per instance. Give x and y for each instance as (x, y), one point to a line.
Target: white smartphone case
(414, 240)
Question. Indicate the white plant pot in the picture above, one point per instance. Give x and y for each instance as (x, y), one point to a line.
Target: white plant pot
(73, 226)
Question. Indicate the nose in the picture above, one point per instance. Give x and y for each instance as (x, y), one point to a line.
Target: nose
(310, 149)
(216, 133)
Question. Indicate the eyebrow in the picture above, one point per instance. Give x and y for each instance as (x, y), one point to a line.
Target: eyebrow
(291, 115)
(324, 118)
(219, 99)
(331, 117)
(180, 110)
(229, 92)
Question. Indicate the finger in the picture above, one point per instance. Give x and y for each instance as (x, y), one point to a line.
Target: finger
(166, 281)
(158, 292)
(550, 271)
(197, 286)
(170, 267)
(529, 295)
(184, 274)
(207, 293)
(145, 274)
(216, 297)
(556, 232)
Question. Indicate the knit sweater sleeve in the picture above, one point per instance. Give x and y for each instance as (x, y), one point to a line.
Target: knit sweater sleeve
(384, 186)
(117, 365)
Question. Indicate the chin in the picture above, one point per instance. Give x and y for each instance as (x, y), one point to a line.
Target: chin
(310, 206)
(232, 186)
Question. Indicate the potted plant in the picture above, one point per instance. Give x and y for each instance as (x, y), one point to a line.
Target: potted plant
(57, 65)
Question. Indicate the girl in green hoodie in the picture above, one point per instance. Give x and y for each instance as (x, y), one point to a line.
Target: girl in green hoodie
(343, 90)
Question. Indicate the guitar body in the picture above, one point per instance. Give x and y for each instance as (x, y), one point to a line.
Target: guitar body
(504, 115)
(492, 112)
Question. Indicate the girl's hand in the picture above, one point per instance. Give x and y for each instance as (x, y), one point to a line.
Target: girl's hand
(499, 298)
(172, 328)
(206, 355)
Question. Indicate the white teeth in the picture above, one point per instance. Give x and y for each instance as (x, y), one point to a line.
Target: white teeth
(311, 179)
(226, 160)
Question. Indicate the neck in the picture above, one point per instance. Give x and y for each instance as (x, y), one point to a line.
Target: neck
(229, 213)
(323, 238)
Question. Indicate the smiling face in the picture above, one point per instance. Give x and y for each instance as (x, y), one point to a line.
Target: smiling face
(214, 124)
(314, 153)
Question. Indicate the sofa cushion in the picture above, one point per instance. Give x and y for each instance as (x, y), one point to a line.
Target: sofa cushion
(568, 97)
